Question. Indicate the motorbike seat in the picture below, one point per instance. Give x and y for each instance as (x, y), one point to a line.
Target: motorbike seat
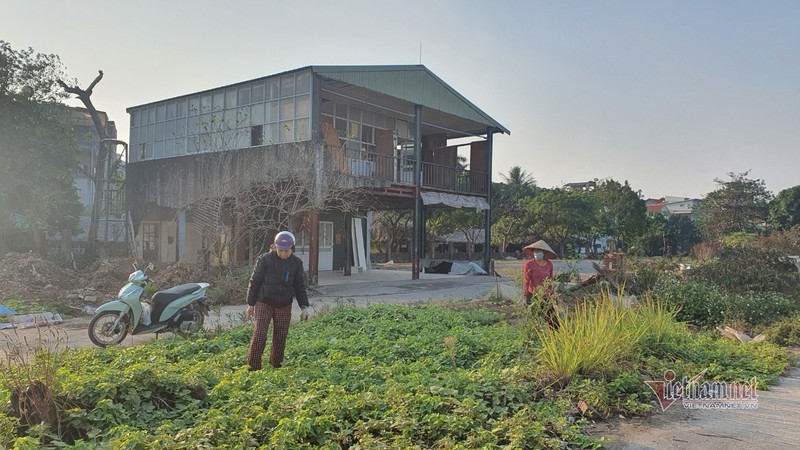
(163, 298)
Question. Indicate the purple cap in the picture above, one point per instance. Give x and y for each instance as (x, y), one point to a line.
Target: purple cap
(284, 240)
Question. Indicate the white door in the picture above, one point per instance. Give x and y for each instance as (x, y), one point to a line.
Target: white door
(325, 246)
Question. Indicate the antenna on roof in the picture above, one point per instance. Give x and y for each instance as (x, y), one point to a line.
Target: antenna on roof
(420, 53)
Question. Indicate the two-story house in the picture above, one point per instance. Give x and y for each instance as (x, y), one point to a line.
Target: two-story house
(212, 175)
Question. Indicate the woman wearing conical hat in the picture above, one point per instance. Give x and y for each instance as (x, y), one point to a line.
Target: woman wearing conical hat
(536, 271)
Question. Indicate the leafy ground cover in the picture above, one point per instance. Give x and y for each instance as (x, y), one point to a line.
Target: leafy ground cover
(378, 377)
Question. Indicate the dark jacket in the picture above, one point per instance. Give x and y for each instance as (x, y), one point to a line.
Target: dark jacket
(276, 281)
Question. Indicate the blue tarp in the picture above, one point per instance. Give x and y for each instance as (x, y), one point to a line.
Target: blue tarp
(6, 311)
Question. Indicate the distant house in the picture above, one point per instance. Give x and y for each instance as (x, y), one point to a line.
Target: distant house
(581, 186)
(111, 223)
(391, 133)
(669, 206)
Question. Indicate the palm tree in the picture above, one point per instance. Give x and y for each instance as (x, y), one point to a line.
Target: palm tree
(517, 176)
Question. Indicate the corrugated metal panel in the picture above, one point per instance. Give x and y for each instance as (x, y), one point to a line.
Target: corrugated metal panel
(415, 84)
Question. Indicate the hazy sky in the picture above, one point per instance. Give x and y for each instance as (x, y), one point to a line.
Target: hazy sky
(668, 95)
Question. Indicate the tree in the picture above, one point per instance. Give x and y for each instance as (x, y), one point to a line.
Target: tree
(518, 176)
(622, 214)
(99, 176)
(390, 228)
(784, 210)
(558, 216)
(38, 150)
(738, 205)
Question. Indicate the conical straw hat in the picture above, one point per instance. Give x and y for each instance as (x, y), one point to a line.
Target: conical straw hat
(540, 245)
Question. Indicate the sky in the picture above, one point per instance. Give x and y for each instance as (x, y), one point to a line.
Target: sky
(667, 95)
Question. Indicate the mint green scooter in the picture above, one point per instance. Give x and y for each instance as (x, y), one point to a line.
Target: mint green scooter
(180, 310)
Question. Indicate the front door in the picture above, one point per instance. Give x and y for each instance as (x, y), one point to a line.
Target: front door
(325, 246)
(150, 237)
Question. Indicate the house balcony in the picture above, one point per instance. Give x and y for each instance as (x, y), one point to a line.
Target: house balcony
(400, 171)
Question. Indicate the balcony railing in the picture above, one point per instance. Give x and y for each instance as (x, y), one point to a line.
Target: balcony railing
(401, 171)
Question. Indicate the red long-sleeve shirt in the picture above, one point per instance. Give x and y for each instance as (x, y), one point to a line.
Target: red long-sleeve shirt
(534, 274)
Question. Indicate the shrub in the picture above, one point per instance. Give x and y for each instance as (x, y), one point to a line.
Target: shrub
(761, 308)
(785, 332)
(740, 269)
(695, 302)
(590, 340)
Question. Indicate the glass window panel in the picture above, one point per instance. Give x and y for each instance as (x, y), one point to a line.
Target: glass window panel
(242, 117)
(301, 106)
(191, 146)
(134, 118)
(161, 112)
(303, 83)
(286, 131)
(219, 101)
(271, 133)
(182, 107)
(301, 130)
(257, 92)
(257, 114)
(160, 127)
(287, 85)
(244, 95)
(230, 98)
(341, 127)
(287, 108)
(159, 149)
(368, 117)
(180, 127)
(402, 128)
(170, 132)
(151, 114)
(231, 119)
(272, 111)
(366, 134)
(134, 137)
(273, 88)
(390, 123)
(193, 127)
(355, 114)
(326, 107)
(143, 133)
(205, 103)
(354, 131)
(151, 133)
(169, 147)
(180, 146)
(172, 109)
(194, 106)
(341, 110)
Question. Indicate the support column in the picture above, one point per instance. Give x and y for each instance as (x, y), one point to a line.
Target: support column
(313, 249)
(348, 248)
(368, 242)
(417, 190)
(181, 239)
(487, 233)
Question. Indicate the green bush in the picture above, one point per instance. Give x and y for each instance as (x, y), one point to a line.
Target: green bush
(755, 269)
(785, 332)
(761, 308)
(695, 302)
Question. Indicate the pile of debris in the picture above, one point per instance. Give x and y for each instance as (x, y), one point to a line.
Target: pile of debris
(27, 276)
(178, 273)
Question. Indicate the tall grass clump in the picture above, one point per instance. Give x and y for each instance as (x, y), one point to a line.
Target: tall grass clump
(590, 340)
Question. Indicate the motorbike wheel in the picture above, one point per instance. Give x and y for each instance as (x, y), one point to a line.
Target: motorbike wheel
(195, 328)
(102, 332)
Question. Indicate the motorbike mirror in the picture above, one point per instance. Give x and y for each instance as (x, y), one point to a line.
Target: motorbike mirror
(150, 266)
(135, 265)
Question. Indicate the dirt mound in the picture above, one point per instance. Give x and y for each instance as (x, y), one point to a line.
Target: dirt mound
(109, 274)
(178, 273)
(26, 275)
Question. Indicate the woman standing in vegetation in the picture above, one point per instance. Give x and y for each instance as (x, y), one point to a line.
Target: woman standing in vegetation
(536, 273)
(277, 279)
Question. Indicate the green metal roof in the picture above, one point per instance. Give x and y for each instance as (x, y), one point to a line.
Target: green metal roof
(415, 84)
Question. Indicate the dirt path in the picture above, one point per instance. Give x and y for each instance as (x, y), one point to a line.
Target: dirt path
(774, 425)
